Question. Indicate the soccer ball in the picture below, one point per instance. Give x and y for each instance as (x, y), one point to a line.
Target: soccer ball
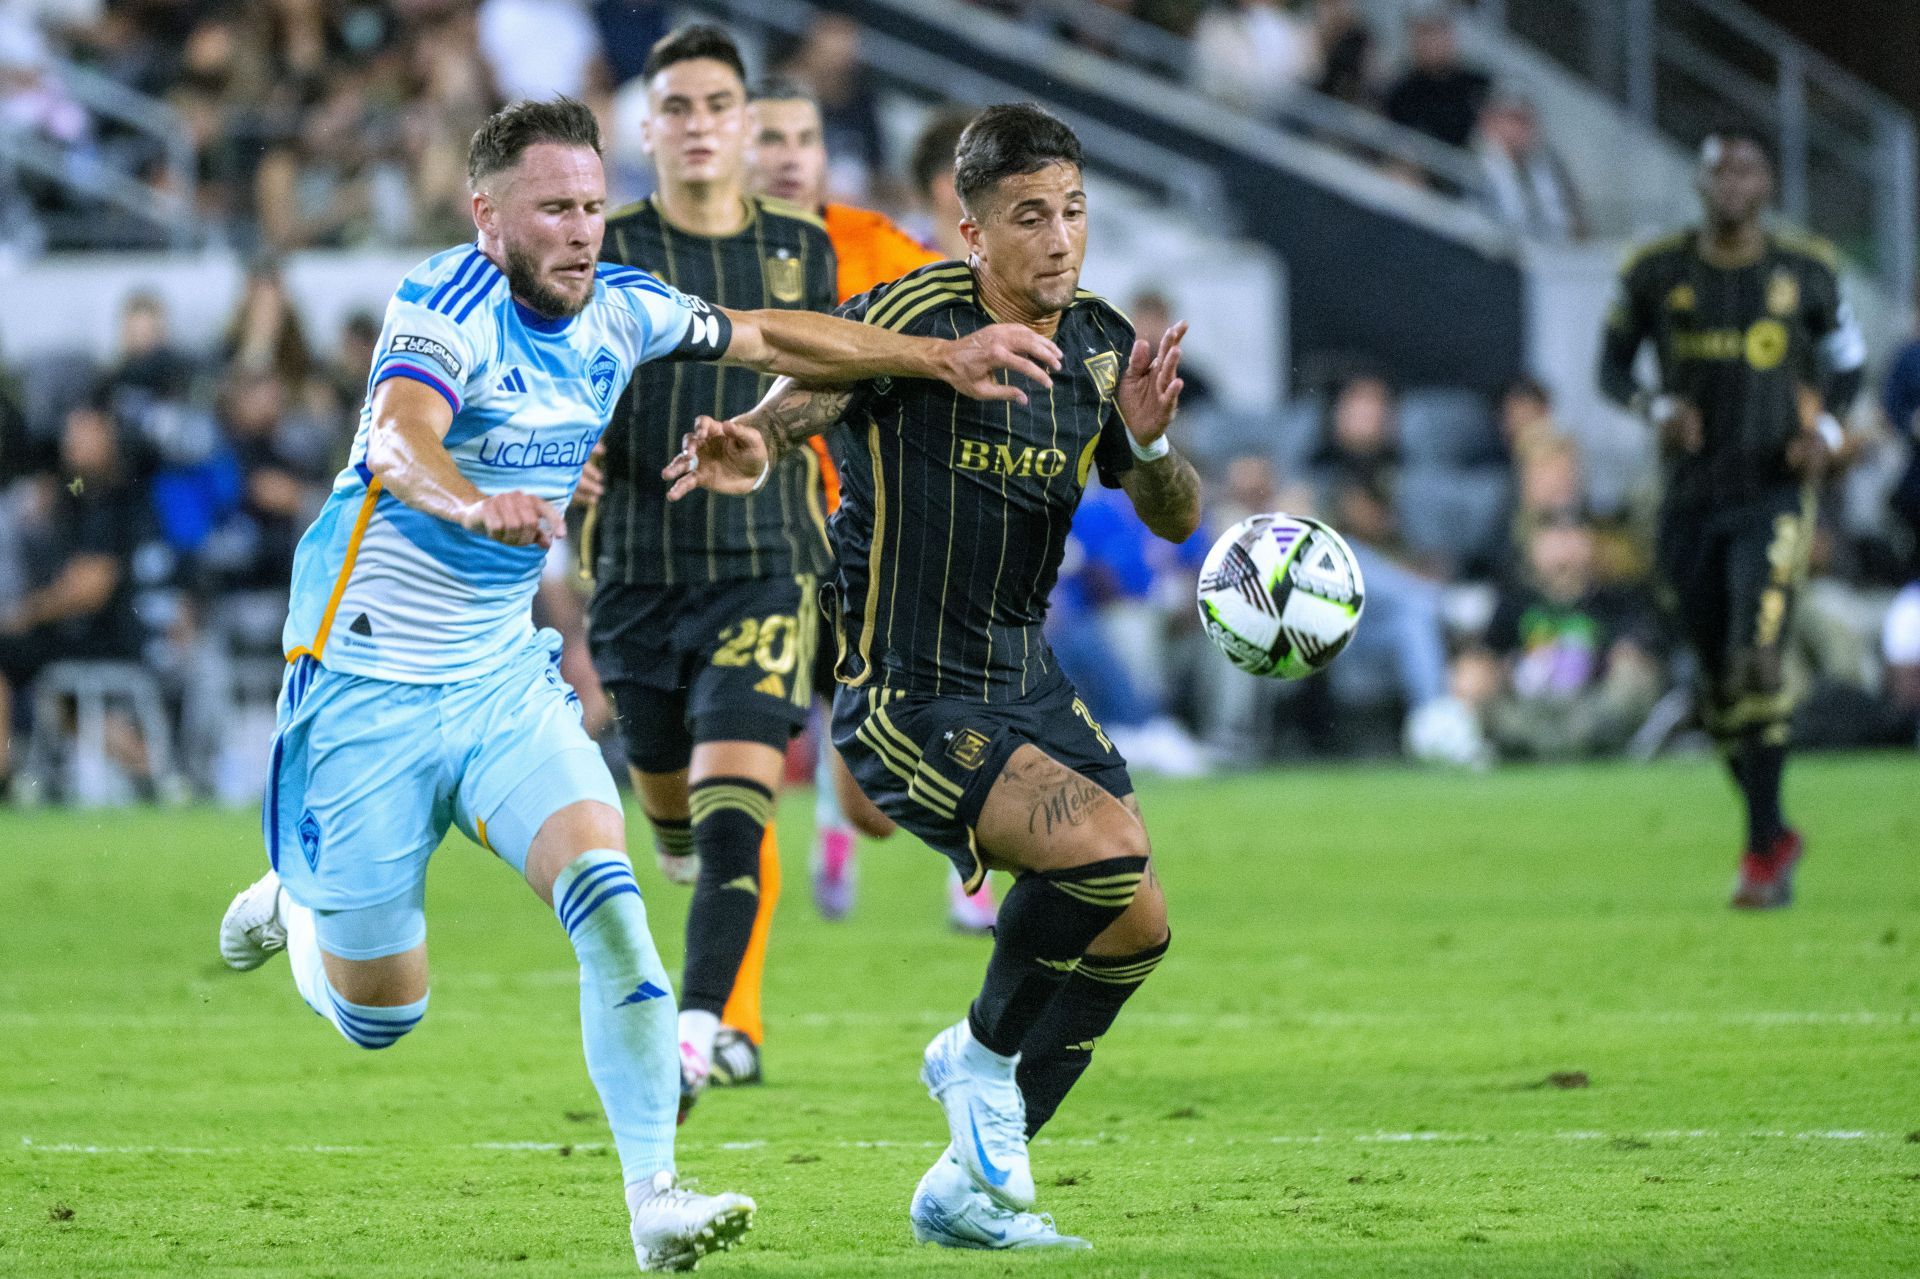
(1280, 595)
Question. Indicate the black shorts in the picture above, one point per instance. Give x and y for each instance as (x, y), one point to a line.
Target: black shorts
(928, 762)
(826, 654)
(714, 662)
(1730, 575)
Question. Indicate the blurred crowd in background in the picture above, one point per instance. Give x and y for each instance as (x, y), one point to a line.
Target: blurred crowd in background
(150, 503)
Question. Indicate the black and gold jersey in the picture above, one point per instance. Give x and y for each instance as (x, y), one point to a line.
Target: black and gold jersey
(954, 512)
(1757, 346)
(781, 258)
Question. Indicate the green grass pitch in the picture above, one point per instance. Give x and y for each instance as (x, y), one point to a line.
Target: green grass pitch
(1346, 1067)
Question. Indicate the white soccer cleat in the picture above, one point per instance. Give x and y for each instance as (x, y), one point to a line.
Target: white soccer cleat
(986, 1116)
(252, 930)
(682, 869)
(948, 1209)
(674, 1228)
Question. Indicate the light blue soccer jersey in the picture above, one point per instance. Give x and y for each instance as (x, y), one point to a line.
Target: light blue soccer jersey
(385, 591)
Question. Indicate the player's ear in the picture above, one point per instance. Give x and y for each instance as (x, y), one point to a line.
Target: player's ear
(483, 213)
(970, 232)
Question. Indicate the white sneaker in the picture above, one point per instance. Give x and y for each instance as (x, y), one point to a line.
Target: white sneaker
(948, 1209)
(674, 1228)
(683, 869)
(251, 931)
(986, 1116)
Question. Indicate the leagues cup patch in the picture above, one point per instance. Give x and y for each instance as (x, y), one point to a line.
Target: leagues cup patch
(967, 748)
(1104, 368)
(785, 280)
(603, 371)
(414, 344)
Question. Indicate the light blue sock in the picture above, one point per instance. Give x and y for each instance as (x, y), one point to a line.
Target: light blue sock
(627, 1017)
(362, 1024)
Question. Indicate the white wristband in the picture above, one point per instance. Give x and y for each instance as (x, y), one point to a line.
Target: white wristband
(1150, 452)
(1830, 432)
(765, 473)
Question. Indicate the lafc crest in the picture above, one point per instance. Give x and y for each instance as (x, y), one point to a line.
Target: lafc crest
(786, 279)
(1783, 293)
(1104, 368)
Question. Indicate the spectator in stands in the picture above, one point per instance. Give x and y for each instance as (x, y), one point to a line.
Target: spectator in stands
(1120, 593)
(1568, 668)
(1900, 655)
(342, 180)
(1152, 316)
(1358, 461)
(281, 486)
(1527, 186)
(79, 542)
(453, 98)
(1437, 94)
(1402, 646)
(264, 334)
(349, 366)
(937, 220)
(628, 29)
(1346, 55)
(1526, 415)
(828, 61)
(1252, 54)
(542, 48)
(151, 382)
(1900, 399)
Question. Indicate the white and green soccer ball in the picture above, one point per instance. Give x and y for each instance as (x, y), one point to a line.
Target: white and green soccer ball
(1280, 595)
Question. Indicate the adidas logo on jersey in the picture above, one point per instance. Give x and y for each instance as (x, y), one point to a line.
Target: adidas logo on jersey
(772, 685)
(513, 383)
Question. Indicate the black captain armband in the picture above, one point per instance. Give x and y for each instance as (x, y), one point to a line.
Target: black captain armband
(709, 334)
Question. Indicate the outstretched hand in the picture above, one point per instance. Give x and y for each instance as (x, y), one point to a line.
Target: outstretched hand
(972, 362)
(1149, 391)
(722, 457)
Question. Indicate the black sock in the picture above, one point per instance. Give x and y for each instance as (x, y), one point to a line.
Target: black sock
(1057, 1051)
(730, 815)
(1047, 921)
(1759, 773)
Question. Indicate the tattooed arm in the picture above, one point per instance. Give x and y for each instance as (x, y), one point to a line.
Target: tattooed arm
(736, 456)
(1166, 496)
(1165, 489)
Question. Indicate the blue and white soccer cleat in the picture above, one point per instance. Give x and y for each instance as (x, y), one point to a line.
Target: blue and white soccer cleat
(948, 1209)
(252, 930)
(986, 1116)
(674, 1228)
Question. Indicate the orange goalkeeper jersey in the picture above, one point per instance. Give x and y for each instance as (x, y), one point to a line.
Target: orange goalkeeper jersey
(871, 250)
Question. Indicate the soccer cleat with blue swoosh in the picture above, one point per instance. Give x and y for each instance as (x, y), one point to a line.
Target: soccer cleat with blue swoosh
(986, 1116)
(948, 1209)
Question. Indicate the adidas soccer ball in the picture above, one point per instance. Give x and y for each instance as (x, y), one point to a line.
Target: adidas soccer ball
(1280, 595)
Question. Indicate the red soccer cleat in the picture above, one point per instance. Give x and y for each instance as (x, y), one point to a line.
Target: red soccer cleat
(1766, 879)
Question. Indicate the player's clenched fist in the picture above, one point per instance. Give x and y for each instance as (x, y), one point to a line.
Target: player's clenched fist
(516, 518)
(969, 364)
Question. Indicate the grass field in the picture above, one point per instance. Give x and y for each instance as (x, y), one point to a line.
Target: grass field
(1345, 1067)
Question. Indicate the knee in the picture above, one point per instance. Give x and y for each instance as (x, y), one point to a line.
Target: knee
(1143, 925)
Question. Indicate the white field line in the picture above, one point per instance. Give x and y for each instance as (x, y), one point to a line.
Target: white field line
(34, 1146)
(1276, 1020)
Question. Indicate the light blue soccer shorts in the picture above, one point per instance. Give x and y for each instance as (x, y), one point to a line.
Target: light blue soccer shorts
(366, 775)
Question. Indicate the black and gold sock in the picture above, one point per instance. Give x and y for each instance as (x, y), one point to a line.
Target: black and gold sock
(1057, 1051)
(672, 836)
(1047, 921)
(729, 816)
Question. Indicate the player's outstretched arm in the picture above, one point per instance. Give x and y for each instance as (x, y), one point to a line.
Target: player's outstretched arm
(737, 455)
(406, 453)
(1163, 486)
(825, 349)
